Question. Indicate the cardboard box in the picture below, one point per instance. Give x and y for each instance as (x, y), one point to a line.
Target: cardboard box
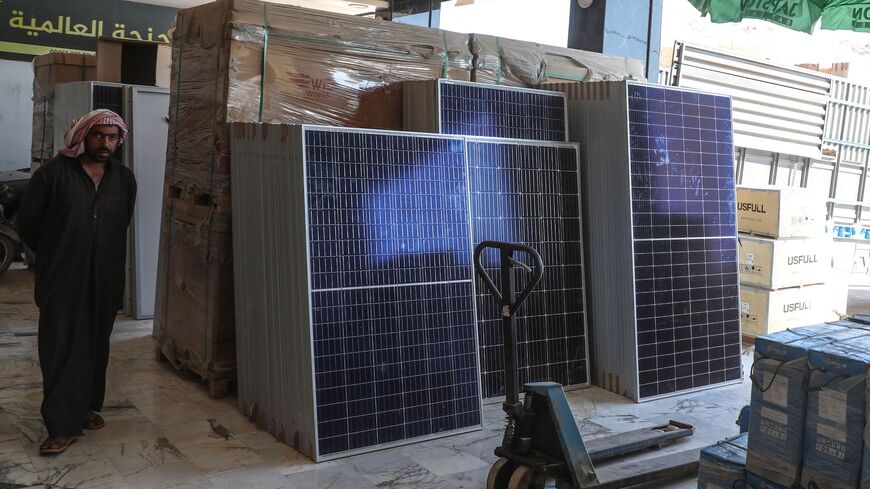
(53, 68)
(134, 62)
(780, 212)
(780, 263)
(779, 398)
(723, 464)
(527, 64)
(49, 70)
(836, 413)
(768, 311)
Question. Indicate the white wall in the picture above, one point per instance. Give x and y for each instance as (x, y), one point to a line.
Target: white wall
(542, 21)
(16, 114)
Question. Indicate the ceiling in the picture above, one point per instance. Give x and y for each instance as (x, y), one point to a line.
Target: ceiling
(350, 7)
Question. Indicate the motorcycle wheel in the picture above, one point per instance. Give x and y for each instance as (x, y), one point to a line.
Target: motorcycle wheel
(7, 253)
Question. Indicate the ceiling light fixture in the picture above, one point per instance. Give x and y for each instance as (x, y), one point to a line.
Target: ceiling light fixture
(357, 5)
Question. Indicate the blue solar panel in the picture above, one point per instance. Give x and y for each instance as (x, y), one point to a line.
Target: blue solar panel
(390, 257)
(394, 363)
(386, 209)
(478, 109)
(685, 249)
(528, 193)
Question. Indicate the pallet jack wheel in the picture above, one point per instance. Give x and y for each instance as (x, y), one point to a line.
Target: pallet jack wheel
(523, 478)
(500, 474)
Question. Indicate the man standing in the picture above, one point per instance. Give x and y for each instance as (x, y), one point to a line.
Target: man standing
(74, 217)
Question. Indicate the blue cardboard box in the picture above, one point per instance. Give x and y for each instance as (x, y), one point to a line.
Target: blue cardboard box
(836, 407)
(755, 482)
(723, 464)
(778, 402)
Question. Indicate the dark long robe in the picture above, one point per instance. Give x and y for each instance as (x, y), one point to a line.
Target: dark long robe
(79, 235)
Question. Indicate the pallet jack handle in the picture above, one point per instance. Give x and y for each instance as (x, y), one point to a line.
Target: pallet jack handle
(508, 304)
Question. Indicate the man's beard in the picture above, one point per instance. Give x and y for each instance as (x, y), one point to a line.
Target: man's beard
(97, 154)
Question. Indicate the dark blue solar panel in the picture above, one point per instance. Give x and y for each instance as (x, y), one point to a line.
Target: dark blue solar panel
(392, 301)
(685, 250)
(386, 209)
(394, 363)
(529, 194)
(478, 109)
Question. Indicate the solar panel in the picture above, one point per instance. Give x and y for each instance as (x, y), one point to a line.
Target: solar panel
(479, 109)
(356, 325)
(663, 249)
(528, 193)
(685, 249)
(394, 342)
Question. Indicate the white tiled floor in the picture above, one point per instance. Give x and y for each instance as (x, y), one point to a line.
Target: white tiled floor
(162, 431)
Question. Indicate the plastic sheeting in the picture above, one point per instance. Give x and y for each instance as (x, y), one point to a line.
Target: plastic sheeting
(779, 398)
(519, 63)
(834, 438)
(722, 465)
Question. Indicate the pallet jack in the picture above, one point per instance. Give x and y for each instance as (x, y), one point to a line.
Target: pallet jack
(541, 439)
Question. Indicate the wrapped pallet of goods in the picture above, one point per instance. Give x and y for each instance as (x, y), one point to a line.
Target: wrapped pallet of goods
(251, 61)
(502, 61)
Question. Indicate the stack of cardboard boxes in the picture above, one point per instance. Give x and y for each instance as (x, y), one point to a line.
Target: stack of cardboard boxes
(50, 70)
(785, 259)
(117, 61)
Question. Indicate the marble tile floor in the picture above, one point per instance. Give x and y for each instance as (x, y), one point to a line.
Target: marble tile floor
(164, 432)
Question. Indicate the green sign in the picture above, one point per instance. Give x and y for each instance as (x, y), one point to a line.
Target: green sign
(848, 16)
(33, 27)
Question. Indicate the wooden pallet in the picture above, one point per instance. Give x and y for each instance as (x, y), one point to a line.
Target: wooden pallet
(220, 383)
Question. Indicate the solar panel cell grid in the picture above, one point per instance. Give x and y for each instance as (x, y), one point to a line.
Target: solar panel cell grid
(528, 194)
(393, 317)
(684, 226)
(486, 110)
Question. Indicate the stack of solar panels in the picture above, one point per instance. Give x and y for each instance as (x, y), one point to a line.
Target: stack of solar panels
(354, 292)
(524, 188)
(659, 196)
(479, 109)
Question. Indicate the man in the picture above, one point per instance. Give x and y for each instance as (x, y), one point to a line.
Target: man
(74, 217)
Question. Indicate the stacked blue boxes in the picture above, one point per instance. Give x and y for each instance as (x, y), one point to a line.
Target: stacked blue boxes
(776, 422)
(723, 464)
(834, 436)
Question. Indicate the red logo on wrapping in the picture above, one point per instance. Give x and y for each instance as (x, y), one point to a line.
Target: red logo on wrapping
(314, 87)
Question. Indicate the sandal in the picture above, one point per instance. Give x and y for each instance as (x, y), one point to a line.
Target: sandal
(58, 444)
(94, 421)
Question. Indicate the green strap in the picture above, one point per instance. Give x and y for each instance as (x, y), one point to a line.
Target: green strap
(446, 54)
(498, 67)
(212, 201)
(265, 53)
(329, 42)
(168, 222)
(568, 77)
